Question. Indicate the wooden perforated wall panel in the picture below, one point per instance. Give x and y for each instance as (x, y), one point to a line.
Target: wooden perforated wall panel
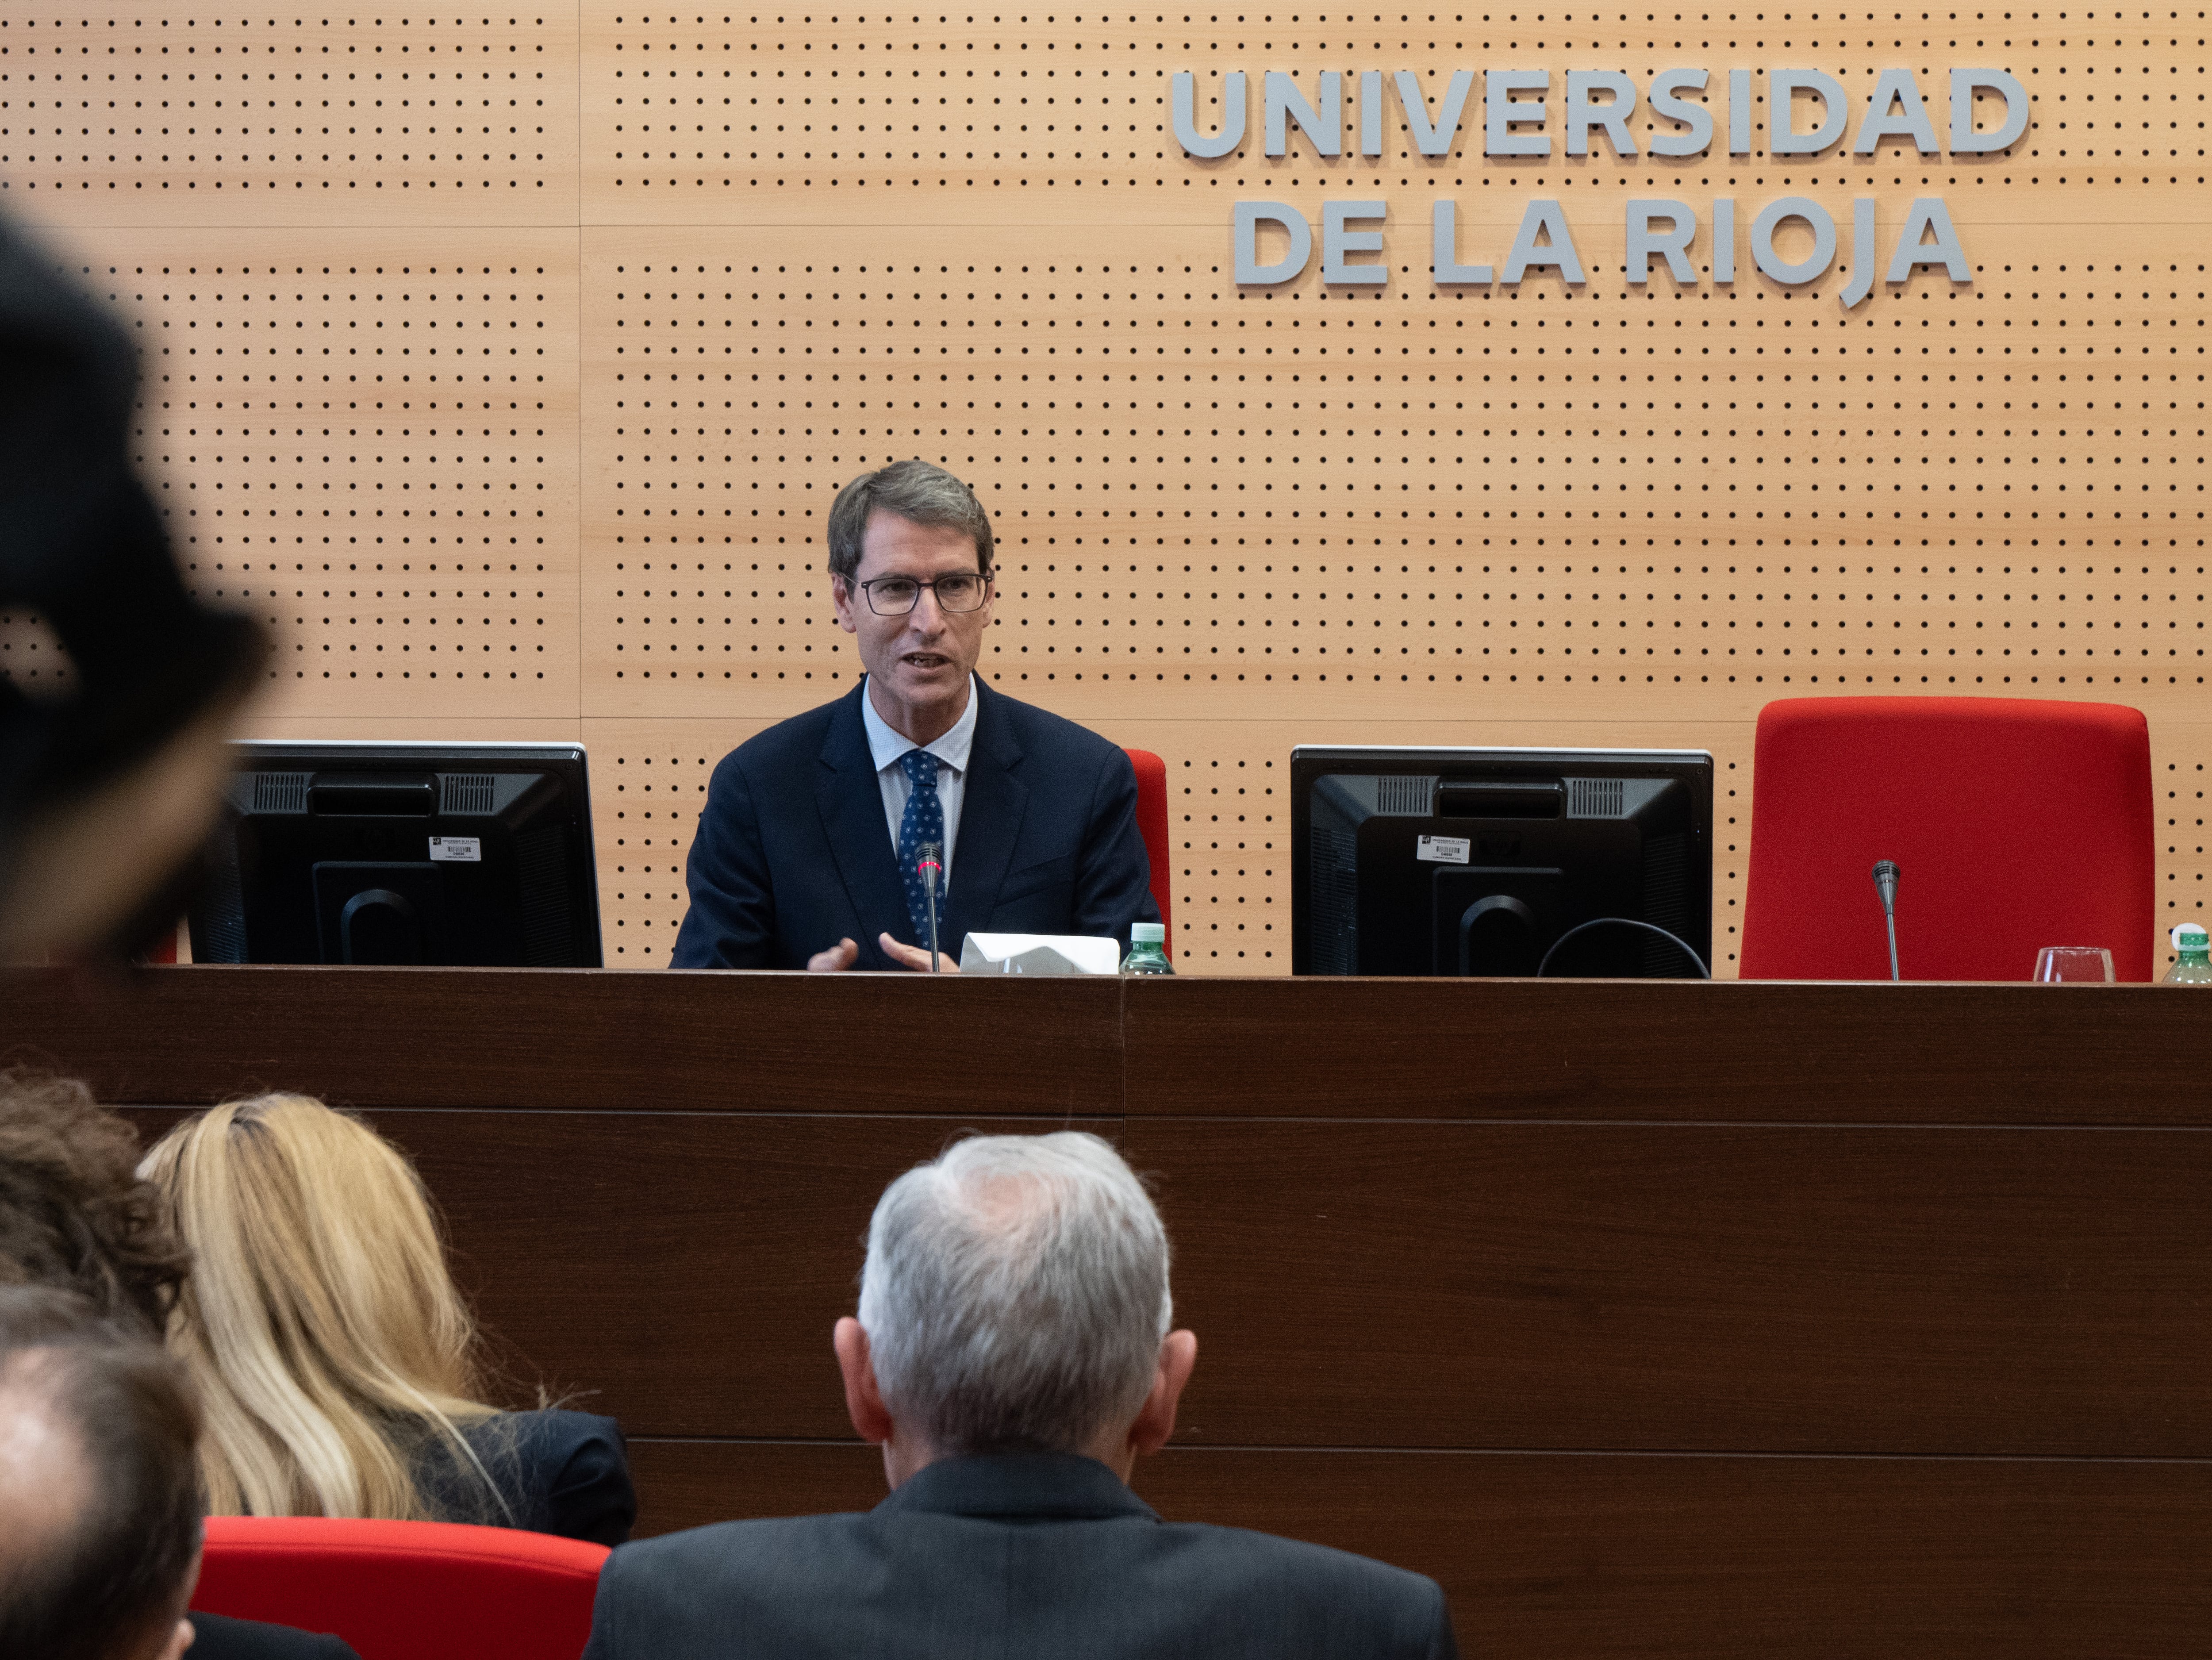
(507, 366)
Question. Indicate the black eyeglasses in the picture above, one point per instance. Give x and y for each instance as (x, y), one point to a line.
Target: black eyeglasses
(895, 596)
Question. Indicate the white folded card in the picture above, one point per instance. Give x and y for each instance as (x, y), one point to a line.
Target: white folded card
(1039, 953)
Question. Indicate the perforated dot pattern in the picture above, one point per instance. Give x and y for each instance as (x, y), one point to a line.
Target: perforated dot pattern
(693, 271)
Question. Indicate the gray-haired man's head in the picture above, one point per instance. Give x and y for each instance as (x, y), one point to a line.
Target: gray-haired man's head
(1016, 1294)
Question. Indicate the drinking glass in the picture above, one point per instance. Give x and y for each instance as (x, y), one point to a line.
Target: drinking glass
(2061, 963)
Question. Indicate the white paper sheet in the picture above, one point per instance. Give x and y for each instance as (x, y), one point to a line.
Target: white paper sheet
(1039, 953)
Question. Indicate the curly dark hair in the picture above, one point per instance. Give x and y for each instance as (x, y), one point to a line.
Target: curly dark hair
(73, 1213)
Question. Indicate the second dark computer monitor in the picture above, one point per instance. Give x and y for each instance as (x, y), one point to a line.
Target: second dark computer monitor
(1482, 861)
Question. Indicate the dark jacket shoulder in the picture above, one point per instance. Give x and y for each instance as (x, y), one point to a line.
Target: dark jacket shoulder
(218, 1637)
(770, 1558)
(1036, 728)
(558, 1472)
(796, 741)
(1018, 1553)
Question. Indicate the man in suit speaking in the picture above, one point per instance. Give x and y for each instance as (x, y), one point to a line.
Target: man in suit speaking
(811, 851)
(1013, 1355)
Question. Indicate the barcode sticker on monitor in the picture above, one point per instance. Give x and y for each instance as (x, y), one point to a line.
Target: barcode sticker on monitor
(469, 849)
(1442, 850)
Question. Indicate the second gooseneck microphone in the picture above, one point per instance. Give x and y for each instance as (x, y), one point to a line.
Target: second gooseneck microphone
(1885, 884)
(931, 868)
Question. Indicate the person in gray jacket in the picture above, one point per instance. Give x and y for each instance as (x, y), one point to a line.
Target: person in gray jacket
(1012, 1357)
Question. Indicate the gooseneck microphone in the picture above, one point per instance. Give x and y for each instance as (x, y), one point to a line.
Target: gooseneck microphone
(931, 870)
(1885, 884)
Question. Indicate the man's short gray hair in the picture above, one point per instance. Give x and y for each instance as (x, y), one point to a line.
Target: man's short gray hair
(1016, 1293)
(913, 491)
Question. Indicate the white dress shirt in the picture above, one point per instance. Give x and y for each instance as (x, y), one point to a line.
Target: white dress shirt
(886, 746)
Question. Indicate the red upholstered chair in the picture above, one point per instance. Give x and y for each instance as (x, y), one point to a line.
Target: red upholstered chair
(2015, 824)
(1153, 825)
(405, 1590)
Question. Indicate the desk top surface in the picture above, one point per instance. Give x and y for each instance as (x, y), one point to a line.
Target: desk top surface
(1727, 1051)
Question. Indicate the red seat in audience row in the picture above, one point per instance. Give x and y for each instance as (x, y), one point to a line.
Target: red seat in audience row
(405, 1590)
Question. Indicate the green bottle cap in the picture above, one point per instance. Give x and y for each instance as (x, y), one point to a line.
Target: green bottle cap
(1148, 934)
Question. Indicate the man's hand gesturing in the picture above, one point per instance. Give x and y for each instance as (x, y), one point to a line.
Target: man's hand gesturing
(915, 957)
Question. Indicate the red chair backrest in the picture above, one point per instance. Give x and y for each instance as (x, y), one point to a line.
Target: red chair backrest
(1153, 825)
(2015, 824)
(405, 1590)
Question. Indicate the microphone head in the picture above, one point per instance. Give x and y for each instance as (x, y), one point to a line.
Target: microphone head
(1885, 881)
(930, 854)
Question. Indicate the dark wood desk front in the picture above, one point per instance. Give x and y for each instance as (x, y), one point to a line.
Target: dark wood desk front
(1651, 1318)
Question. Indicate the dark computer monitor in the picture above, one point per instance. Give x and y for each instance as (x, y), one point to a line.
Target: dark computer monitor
(1463, 861)
(458, 855)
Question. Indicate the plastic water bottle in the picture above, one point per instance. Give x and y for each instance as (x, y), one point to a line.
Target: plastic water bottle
(1148, 949)
(2193, 964)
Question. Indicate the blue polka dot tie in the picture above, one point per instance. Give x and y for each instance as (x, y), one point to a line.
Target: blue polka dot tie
(923, 821)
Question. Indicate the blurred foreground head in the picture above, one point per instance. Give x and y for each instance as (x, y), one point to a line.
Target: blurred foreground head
(107, 793)
(100, 1497)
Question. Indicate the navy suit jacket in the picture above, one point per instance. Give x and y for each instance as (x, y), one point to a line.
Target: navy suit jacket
(793, 853)
(1024, 1554)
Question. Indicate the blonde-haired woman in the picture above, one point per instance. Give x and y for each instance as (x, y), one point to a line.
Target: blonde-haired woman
(337, 1358)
